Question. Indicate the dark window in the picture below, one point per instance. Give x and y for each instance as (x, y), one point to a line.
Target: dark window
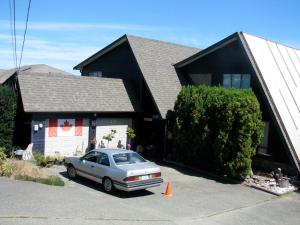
(128, 158)
(95, 74)
(236, 80)
(92, 156)
(201, 78)
(263, 147)
(104, 160)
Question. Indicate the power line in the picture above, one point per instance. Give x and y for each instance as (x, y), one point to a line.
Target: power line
(14, 7)
(11, 33)
(24, 36)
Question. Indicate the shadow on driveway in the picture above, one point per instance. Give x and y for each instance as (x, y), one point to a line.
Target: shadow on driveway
(98, 187)
(199, 173)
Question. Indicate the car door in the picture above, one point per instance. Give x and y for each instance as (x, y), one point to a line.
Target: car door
(102, 167)
(87, 164)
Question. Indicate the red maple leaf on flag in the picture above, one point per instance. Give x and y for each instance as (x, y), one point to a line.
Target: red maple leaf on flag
(66, 126)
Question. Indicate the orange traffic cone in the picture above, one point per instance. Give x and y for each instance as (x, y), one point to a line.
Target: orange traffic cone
(168, 192)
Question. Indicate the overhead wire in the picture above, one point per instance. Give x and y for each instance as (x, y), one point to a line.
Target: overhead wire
(15, 36)
(11, 33)
(24, 36)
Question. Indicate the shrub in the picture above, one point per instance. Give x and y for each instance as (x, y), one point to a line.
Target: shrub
(213, 127)
(6, 168)
(110, 136)
(8, 106)
(3, 155)
(51, 180)
(42, 160)
(130, 133)
(23, 170)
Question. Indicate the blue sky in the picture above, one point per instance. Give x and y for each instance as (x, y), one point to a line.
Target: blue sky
(62, 33)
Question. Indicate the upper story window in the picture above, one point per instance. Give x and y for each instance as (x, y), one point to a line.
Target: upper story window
(236, 80)
(95, 73)
(201, 78)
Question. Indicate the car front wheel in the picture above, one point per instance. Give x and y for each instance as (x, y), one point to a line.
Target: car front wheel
(71, 172)
(108, 185)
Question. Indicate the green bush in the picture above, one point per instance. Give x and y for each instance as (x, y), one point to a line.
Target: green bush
(214, 127)
(51, 180)
(3, 155)
(6, 168)
(41, 160)
(8, 106)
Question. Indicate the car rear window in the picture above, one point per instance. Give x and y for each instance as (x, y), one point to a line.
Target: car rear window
(128, 158)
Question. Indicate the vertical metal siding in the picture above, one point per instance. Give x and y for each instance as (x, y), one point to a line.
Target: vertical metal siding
(280, 66)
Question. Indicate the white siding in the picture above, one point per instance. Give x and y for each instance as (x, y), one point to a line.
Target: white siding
(280, 69)
(105, 125)
(67, 146)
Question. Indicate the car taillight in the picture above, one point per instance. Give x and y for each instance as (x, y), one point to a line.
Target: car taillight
(134, 178)
(154, 175)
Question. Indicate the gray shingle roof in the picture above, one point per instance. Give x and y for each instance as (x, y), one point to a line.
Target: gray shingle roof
(155, 59)
(36, 68)
(67, 93)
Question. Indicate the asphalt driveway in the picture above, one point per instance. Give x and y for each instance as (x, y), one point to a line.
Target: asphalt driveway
(197, 199)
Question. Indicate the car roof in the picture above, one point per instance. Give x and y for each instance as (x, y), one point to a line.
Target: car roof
(112, 151)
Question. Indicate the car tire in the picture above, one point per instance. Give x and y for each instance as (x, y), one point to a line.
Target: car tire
(108, 185)
(71, 172)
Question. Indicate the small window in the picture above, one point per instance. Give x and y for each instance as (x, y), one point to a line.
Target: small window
(92, 156)
(236, 80)
(202, 78)
(95, 73)
(227, 80)
(128, 158)
(264, 144)
(246, 81)
(104, 160)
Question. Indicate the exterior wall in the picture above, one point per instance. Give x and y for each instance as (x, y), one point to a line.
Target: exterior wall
(67, 145)
(232, 60)
(38, 136)
(104, 127)
(118, 63)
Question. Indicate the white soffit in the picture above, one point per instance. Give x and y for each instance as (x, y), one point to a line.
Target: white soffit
(279, 66)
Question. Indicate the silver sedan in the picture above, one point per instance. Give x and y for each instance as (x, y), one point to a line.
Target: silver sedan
(115, 169)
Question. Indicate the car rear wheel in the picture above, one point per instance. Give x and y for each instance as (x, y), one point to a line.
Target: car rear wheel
(71, 172)
(108, 185)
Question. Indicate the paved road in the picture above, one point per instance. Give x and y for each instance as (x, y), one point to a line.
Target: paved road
(196, 200)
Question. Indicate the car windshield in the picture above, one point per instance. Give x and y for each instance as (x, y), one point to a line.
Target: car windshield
(128, 158)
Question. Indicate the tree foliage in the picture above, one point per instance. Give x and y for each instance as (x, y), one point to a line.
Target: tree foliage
(110, 136)
(214, 127)
(8, 107)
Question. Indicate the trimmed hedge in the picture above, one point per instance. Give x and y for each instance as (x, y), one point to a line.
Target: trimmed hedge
(216, 128)
(8, 107)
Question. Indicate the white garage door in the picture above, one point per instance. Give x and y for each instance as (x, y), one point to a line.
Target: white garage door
(104, 127)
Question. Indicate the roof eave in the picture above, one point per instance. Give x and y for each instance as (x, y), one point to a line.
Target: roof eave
(103, 51)
(221, 44)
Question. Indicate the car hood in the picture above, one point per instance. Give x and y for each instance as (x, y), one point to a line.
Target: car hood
(140, 168)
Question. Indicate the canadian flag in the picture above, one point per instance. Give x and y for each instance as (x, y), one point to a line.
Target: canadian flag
(65, 127)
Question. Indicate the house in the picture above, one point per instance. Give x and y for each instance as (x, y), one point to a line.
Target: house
(64, 113)
(272, 70)
(134, 81)
(158, 70)
(148, 65)
(7, 75)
